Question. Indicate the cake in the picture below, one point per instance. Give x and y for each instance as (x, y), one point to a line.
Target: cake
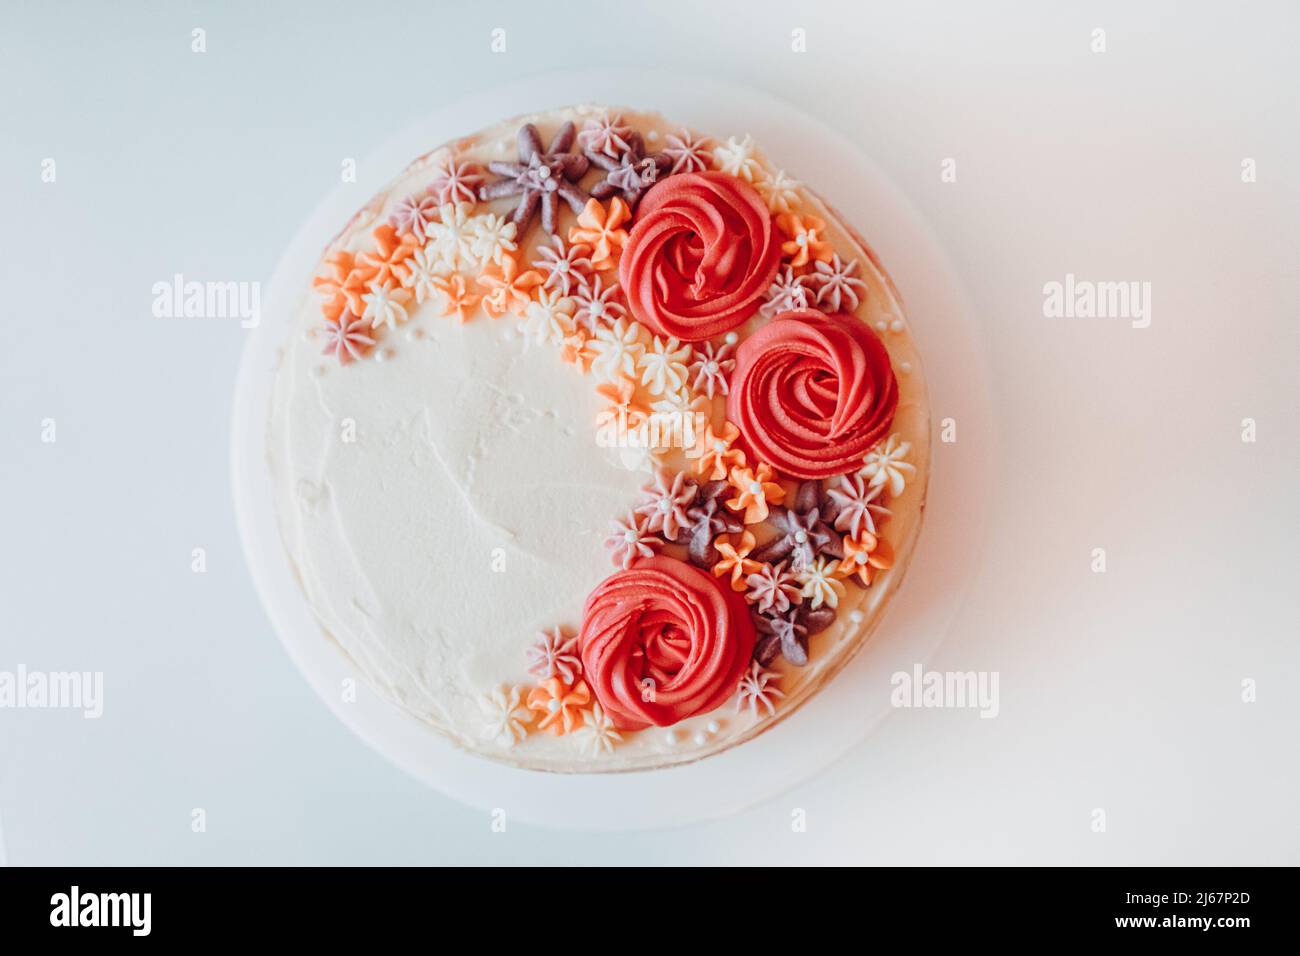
(598, 443)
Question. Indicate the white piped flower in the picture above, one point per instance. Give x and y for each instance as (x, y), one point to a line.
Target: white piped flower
(820, 585)
(758, 690)
(884, 465)
(505, 719)
(548, 318)
(421, 269)
(493, 238)
(780, 191)
(385, 305)
(739, 158)
(664, 366)
(617, 348)
(598, 733)
(452, 238)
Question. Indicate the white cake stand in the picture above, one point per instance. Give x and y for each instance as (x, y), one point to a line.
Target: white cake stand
(856, 700)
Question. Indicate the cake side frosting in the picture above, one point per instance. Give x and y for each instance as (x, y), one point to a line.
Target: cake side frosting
(445, 497)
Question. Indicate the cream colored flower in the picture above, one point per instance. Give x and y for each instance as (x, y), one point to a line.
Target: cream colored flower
(505, 717)
(739, 158)
(598, 733)
(664, 366)
(618, 348)
(820, 586)
(884, 465)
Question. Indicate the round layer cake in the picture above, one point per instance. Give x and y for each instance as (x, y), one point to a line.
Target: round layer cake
(599, 444)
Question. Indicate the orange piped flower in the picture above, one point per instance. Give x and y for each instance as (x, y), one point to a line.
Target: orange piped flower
(864, 555)
(385, 262)
(755, 490)
(717, 457)
(600, 230)
(622, 401)
(457, 300)
(558, 705)
(330, 282)
(806, 243)
(575, 350)
(510, 289)
(735, 559)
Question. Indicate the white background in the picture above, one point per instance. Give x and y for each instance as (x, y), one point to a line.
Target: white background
(1119, 691)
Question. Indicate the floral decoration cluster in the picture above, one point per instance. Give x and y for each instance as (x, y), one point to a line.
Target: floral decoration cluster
(789, 548)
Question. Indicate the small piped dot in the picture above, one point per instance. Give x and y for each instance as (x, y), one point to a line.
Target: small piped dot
(383, 355)
(701, 739)
(671, 738)
(855, 616)
(731, 338)
(652, 135)
(905, 367)
(713, 727)
(896, 325)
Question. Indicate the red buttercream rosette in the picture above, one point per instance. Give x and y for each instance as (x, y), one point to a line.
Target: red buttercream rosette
(702, 252)
(812, 393)
(663, 641)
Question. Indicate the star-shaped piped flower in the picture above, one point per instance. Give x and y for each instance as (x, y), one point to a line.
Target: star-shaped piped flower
(384, 262)
(509, 290)
(598, 732)
(455, 182)
(601, 230)
(821, 585)
(717, 456)
(385, 304)
(555, 654)
(541, 177)
(805, 243)
(623, 404)
(331, 281)
(595, 306)
(558, 705)
(802, 534)
(617, 348)
(837, 284)
(851, 505)
(667, 498)
(630, 173)
(885, 465)
(413, 213)
(457, 300)
(347, 338)
(452, 237)
(607, 135)
(739, 158)
(711, 368)
(709, 519)
(629, 540)
(756, 492)
(663, 365)
(758, 690)
(780, 191)
(422, 269)
(863, 556)
(566, 269)
(505, 719)
(734, 559)
(773, 588)
(548, 319)
(494, 238)
(688, 154)
(787, 293)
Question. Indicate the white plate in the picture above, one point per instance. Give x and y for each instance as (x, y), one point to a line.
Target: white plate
(856, 700)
